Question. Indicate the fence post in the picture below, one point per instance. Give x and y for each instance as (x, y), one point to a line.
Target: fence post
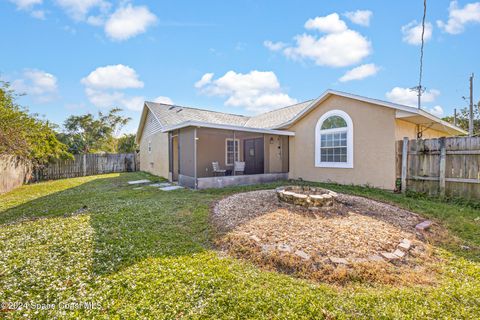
(443, 161)
(404, 164)
(84, 164)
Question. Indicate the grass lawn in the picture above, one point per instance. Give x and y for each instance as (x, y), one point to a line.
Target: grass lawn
(148, 254)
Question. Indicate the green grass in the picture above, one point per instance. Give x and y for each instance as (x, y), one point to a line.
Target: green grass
(147, 254)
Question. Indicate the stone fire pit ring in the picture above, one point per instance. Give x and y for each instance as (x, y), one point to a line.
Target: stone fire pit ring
(305, 196)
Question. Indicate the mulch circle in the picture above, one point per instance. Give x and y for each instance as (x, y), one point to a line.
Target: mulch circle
(356, 231)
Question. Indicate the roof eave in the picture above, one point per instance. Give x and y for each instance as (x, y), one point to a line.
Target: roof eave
(141, 125)
(442, 122)
(387, 104)
(143, 118)
(227, 127)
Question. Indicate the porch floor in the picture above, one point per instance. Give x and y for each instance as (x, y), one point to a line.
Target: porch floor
(238, 180)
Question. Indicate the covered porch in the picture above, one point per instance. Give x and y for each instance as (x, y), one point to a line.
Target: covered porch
(215, 156)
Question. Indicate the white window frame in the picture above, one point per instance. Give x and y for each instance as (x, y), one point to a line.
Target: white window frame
(237, 151)
(318, 139)
(149, 146)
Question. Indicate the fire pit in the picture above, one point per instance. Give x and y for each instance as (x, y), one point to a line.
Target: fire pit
(308, 197)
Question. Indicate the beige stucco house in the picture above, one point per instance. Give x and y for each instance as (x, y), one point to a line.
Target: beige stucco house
(337, 137)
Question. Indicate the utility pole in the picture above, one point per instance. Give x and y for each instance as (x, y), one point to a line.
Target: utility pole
(455, 117)
(470, 120)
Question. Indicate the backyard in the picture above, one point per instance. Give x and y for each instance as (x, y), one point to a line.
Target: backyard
(96, 247)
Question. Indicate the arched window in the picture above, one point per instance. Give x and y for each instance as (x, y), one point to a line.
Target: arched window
(334, 140)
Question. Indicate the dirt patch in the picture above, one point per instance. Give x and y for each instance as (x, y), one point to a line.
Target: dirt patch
(357, 239)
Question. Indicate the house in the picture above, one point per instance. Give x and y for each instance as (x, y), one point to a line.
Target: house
(337, 137)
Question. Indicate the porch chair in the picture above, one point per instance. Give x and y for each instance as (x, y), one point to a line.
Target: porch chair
(239, 167)
(216, 169)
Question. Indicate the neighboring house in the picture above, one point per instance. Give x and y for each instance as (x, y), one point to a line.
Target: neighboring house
(337, 137)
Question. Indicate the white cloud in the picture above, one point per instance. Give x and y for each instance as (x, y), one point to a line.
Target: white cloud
(340, 47)
(333, 50)
(124, 23)
(436, 111)
(408, 97)
(26, 4)
(412, 32)
(42, 86)
(113, 77)
(274, 46)
(360, 17)
(103, 87)
(39, 14)
(256, 91)
(79, 9)
(129, 21)
(96, 21)
(107, 99)
(327, 24)
(204, 80)
(459, 17)
(360, 72)
(162, 99)
(29, 6)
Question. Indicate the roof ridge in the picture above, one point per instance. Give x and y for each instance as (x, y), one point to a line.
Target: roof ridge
(194, 108)
(290, 105)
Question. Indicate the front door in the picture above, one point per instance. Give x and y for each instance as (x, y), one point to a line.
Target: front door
(253, 154)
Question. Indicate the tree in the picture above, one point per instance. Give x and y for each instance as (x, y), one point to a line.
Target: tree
(26, 135)
(463, 117)
(87, 134)
(127, 144)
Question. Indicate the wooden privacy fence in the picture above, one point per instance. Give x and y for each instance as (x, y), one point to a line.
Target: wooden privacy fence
(86, 165)
(444, 167)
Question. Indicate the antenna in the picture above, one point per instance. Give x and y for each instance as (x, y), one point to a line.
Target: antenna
(419, 89)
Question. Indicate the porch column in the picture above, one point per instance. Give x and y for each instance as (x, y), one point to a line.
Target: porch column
(234, 151)
(266, 144)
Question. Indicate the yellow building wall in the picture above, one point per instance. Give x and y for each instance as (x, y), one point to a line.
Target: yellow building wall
(373, 141)
(156, 161)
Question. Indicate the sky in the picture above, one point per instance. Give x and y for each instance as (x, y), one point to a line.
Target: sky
(245, 57)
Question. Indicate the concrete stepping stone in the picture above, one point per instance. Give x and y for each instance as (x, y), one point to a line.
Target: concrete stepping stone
(155, 185)
(138, 188)
(160, 184)
(139, 181)
(170, 188)
(164, 184)
(423, 226)
(302, 254)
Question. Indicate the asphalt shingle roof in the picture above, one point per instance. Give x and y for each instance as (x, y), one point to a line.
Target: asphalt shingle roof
(170, 115)
(275, 118)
